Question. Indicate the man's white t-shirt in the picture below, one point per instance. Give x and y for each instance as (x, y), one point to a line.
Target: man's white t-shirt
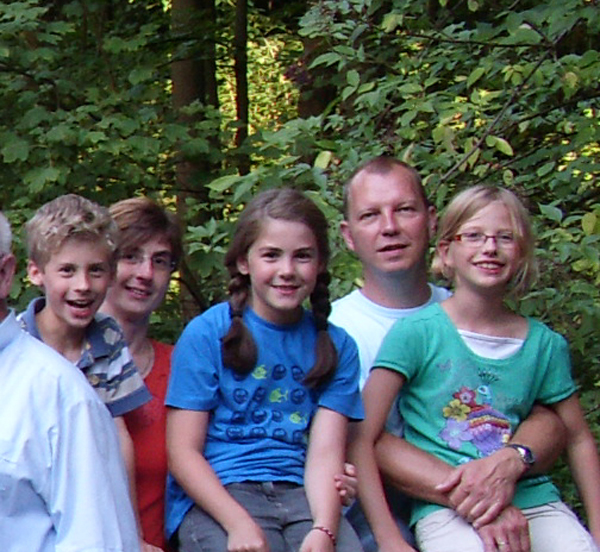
(368, 323)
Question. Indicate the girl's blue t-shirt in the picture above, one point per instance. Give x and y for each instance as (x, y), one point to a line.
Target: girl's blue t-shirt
(259, 422)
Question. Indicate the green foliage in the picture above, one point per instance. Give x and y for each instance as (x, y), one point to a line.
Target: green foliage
(86, 108)
(69, 119)
(83, 108)
(468, 92)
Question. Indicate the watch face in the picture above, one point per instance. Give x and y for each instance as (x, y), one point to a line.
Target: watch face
(525, 454)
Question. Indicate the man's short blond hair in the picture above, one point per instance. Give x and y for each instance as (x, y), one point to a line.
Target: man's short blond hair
(66, 217)
(382, 165)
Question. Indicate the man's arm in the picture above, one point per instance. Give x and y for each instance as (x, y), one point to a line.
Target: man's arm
(412, 470)
(90, 501)
(478, 490)
(545, 434)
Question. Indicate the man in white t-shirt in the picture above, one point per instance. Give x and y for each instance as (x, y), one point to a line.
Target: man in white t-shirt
(388, 222)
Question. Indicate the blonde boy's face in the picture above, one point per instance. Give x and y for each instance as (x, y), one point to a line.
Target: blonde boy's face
(75, 280)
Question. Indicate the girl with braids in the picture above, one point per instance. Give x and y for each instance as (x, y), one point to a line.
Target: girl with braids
(260, 394)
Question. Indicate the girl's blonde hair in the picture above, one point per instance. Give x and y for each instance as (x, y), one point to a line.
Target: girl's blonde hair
(469, 202)
(238, 346)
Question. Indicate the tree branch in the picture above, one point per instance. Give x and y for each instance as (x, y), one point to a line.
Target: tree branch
(501, 113)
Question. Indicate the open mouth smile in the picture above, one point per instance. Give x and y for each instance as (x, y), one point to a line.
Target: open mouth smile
(80, 304)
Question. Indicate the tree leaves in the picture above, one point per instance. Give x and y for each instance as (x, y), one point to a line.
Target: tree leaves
(500, 144)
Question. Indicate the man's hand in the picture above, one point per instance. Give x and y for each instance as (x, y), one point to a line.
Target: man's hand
(479, 490)
(509, 532)
(347, 484)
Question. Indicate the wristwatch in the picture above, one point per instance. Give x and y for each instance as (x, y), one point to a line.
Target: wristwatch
(525, 454)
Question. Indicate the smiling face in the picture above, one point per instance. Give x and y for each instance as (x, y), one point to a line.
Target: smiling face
(491, 265)
(75, 280)
(141, 282)
(283, 264)
(388, 224)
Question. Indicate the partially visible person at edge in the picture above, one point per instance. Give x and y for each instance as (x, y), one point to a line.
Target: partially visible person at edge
(149, 250)
(71, 245)
(388, 222)
(62, 480)
(260, 394)
(470, 370)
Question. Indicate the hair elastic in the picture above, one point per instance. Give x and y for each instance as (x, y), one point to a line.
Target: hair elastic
(235, 312)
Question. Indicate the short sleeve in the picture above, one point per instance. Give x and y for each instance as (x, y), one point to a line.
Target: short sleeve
(400, 350)
(557, 383)
(114, 375)
(196, 365)
(342, 393)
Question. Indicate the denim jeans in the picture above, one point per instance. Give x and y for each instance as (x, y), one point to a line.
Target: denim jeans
(400, 507)
(281, 509)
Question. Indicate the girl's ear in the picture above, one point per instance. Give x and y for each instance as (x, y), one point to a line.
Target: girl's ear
(443, 249)
(242, 265)
(322, 267)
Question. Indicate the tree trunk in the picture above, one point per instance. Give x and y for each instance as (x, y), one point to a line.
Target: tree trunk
(194, 79)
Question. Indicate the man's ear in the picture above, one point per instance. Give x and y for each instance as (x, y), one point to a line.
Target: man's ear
(7, 270)
(347, 234)
(242, 265)
(35, 273)
(433, 220)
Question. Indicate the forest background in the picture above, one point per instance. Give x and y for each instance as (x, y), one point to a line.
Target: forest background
(200, 103)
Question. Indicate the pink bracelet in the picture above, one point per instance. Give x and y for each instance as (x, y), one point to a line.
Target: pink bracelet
(328, 532)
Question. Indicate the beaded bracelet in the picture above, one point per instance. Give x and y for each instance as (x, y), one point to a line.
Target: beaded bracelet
(328, 532)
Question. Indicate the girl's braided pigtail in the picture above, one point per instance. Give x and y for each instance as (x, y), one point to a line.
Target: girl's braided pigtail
(325, 351)
(237, 346)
